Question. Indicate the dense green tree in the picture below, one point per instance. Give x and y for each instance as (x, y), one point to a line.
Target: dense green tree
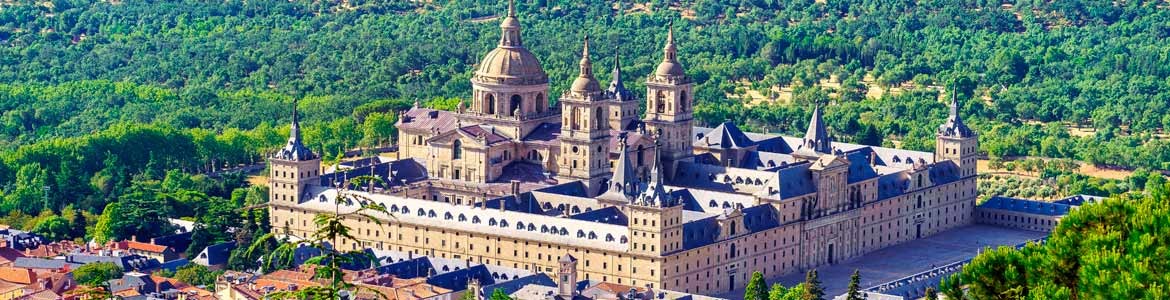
(196, 275)
(498, 294)
(54, 228)
(757, 289)
(96, 274)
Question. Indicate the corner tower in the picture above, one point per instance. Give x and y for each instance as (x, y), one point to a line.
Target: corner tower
(509, 88)
(956, 142)
(292, 169)
(585, 129)
(668, 105)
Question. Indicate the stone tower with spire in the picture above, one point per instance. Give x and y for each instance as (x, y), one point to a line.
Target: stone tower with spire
(293, 168)
(623, 105)
(655, 215)
(957, 142)
(669, 105)
(585, 129)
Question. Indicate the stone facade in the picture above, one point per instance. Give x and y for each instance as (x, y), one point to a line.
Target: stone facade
(676, 207)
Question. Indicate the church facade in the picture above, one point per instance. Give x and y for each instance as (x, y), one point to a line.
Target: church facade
(510, 180)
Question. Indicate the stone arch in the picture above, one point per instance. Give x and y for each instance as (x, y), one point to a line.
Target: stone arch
(682, 101)
(514, 105)
(490, 102)
(599, 118)
(574, 118)
(540, 102)
(660, 102)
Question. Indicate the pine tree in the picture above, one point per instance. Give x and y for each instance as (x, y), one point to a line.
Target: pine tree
(78, 223)
(854, 292)
(812, 287)
(930, 294)
(757, 289)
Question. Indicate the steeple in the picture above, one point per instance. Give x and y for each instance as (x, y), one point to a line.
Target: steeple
(585, 82)
(817, 138)
(617, 89)
(625, 176)
(295, 149)
(954, 126)
(655, 193)
(510, 28)
(670, 67)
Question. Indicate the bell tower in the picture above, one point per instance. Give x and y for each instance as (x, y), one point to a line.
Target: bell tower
(585, 130)
(567, 277)
(292, 169)
(957, 142)
(669, 106)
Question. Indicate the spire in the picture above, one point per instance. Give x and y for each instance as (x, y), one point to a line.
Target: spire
(625, 176)
(670, 67)
(617, 73)
(817, 139)
(585, 82)
(585, 64)
(510, 28)
(655, 194)
(954, 126)
(670, 50)
(617, 90)
(295, 149)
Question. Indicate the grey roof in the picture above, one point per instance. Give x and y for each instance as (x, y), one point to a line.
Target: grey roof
(727, 136)
(294, 149)
(509, 287)
(126, 262)
(624, 184)
(391, 173)
(215, 254)
(132, 281)
(426, 119)
(1078, 200)
(1026, 206)
(177, 242)
(954, 126)
(608, 215)
(21, 240)
(42, 263)
(816, 138)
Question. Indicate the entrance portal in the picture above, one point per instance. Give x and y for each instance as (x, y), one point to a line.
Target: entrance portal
(731, 282)
(830, 254)
(918, 231)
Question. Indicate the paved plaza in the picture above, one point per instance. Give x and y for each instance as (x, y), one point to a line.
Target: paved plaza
(910, 258)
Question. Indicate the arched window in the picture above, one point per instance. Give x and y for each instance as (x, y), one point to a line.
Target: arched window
(600, 115)
(504, 223)
(731, 253)
(732, 231)
(625, 239)
(580, 233)
(457, 150)
(514, 105)
(713, 203)
(682, 101)
(574, 118)
(540, 102)
(660, 102)
(491, 221)
(608, 237)
(519, 225)
(491, 104)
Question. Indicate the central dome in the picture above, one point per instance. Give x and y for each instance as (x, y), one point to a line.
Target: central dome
(512, 63)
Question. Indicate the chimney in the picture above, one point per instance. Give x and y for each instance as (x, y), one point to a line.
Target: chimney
(516, 188)
(134, 238)
(872, 158)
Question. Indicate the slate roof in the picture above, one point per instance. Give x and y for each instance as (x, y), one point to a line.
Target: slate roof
(215, 254)
(509, 287)
(726, 136)
(1026, 206)
(43, 263)
(294, 149)
(177, 242)
(608, 215)
(408, 169)
(426, 119)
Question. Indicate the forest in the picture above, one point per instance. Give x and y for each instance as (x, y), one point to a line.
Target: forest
(137, 108)
(1114, 249)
